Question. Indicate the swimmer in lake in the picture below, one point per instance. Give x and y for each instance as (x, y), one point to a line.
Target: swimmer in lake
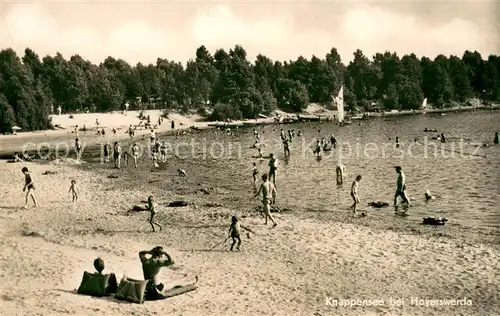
(268, 197)
(30, 186)
(151, 268)
(401, 187)
(354, 193)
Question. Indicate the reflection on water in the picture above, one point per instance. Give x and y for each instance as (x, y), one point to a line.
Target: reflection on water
(466, 187)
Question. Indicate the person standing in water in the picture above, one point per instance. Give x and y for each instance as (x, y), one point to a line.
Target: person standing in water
(286, 146)
(273, 165)
(401, 187)
(496, 140)
(354, 193)
(268, 197)
(397, 142)
(255, 172)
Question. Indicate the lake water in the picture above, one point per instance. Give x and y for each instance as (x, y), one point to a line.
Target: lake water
(466, 186)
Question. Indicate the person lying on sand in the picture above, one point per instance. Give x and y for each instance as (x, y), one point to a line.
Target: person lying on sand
(151, 208)
(354, 193)
(73, 189)
(30, 186)
(268, 197)
(16, 158)
(151, 268)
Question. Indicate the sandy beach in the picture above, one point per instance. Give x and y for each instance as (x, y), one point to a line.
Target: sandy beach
(305, 266)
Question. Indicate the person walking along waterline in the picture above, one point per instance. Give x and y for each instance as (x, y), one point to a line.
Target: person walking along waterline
(400, 187)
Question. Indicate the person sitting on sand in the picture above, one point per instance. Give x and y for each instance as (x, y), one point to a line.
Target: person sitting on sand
(496, 139)
(268, 197)
(151, 268)
(151, 208)
(354, 193)
(273, 166)
(30, 186)
(400, 187)
(73, 189)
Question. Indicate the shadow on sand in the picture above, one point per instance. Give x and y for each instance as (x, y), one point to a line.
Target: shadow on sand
(106, 298)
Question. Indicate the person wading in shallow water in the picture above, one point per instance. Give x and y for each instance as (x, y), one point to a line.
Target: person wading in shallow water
(151, 268)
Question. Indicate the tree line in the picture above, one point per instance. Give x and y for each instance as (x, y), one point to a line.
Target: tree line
(227, 85)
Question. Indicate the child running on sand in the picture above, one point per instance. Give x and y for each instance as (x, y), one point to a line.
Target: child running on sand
(30, 186)
(354, 193)
(151, 208)
(74, 190)
(234, 232)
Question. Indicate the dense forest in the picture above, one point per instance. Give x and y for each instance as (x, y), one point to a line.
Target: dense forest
(228, 85)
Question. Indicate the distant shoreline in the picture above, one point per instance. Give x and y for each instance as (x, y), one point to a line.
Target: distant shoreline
(10, 144)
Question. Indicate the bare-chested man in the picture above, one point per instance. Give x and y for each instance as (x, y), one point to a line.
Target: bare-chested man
(354, 193)
(151, 268)
(268, 197)
(401, 187)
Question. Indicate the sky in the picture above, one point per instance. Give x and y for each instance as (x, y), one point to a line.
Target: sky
(142, 31)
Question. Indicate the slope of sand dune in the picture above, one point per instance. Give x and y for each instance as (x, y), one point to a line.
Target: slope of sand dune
(290, 270)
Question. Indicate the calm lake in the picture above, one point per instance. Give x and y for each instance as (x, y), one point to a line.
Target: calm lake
(466, 185)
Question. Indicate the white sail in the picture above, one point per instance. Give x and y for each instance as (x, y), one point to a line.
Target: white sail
(340, 104)
(424, 104)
